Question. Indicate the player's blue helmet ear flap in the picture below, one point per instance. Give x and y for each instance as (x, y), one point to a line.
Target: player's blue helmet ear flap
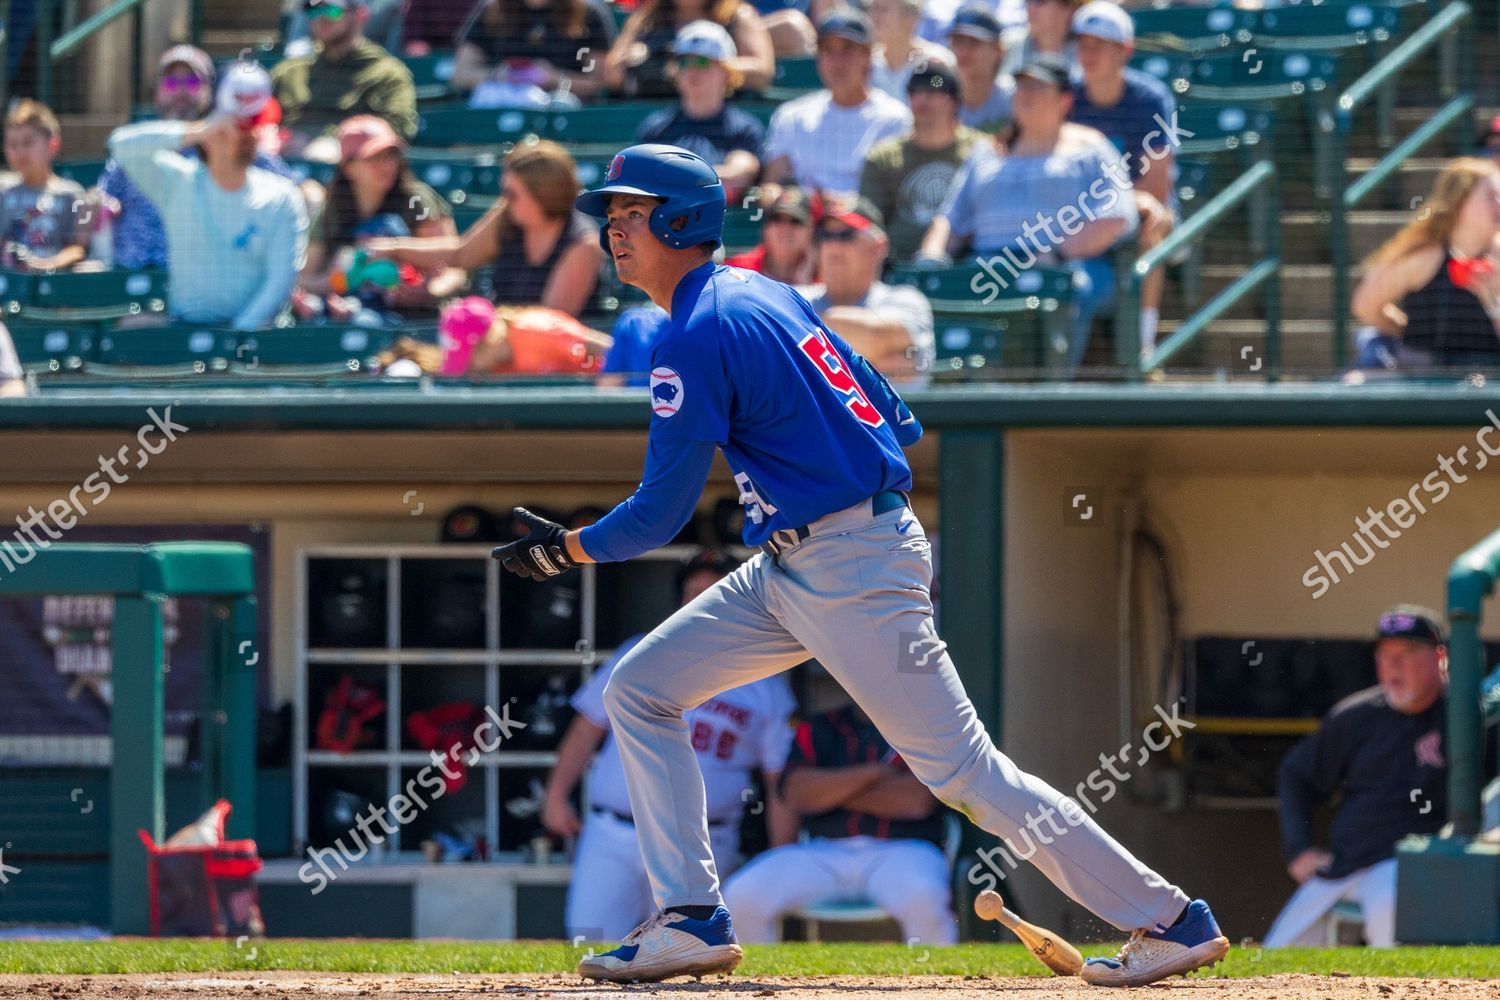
(692, 198)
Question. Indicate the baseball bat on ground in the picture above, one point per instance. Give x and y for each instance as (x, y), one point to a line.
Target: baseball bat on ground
(1054, 952)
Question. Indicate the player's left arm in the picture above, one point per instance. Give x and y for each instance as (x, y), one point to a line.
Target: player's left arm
(886, 400)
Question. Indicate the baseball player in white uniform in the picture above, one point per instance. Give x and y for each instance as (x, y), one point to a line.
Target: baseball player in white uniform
(734, 733)
(814, 437)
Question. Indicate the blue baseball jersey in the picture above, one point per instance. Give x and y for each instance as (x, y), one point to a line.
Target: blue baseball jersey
(807, 425)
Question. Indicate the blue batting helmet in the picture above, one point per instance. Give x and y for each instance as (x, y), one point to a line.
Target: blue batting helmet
(692, 198)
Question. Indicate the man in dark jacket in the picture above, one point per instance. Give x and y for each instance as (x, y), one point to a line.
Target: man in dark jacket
(1383, 749)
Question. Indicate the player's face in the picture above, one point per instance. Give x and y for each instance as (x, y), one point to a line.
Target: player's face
(636, 251)
(1410, 673)
(1099, 57)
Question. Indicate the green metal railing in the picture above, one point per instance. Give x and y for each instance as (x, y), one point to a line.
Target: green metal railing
(1259, 183)
(1470, 581)
(1452, 26)
(141, 578)
(51, 51)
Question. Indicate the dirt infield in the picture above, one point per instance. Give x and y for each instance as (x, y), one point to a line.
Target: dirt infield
(306, 986)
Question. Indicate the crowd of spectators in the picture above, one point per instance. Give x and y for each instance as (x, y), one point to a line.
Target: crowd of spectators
(1008, 133)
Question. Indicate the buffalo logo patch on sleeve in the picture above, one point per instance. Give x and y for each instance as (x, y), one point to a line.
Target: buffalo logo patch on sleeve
(666, 392)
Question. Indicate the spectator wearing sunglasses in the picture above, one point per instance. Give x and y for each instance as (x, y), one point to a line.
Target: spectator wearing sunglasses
(786, 250)
(1049, 25)
(891, 325)
(184, 90)
(236, 234)
(347, 75)
(704, 73)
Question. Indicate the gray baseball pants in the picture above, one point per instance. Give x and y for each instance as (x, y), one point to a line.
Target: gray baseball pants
(856, 595)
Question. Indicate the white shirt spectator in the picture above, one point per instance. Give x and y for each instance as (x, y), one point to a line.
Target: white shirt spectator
(233, 255)
(827, 144)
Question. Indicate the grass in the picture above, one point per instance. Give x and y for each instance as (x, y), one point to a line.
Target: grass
(847, 959)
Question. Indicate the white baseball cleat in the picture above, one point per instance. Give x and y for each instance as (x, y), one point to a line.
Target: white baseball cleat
(1192, 943)
(667, 945)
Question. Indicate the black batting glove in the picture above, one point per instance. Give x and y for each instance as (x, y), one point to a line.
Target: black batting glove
(540, 554)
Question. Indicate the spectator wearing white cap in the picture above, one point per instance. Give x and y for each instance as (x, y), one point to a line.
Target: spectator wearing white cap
(236, 234)
(347, 75)
(1136, 112)
(1049, 24)
(185, 80)
(727, 137)
(898, 50)
(985, 93)
(820, 140)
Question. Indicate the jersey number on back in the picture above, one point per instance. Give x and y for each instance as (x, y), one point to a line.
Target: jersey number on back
(817, 347)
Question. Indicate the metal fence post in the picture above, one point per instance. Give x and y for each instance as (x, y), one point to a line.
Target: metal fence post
(1338, 237)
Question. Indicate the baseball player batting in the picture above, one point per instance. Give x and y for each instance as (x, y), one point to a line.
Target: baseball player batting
(814, 436)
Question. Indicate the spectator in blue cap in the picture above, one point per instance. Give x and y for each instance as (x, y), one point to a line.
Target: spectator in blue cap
(984, 92)
(820, 140)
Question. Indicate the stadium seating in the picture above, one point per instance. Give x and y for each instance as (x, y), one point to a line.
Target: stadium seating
(984, 318)
(199, 348)
(1326, 28)
(44, 346)
(84, 295)
(1192, 29)
(431, 74)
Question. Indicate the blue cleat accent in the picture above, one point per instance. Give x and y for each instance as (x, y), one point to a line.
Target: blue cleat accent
(1193, 942)
(667, 945)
